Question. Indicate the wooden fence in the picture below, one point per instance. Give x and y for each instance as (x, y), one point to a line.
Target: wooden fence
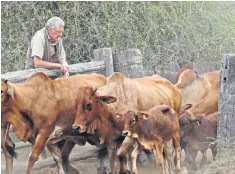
(129, 62)
(227, 100)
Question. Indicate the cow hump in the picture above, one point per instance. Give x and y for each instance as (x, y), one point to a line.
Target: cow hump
(115, 77)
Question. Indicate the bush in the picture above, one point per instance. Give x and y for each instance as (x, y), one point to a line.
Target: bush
(198, 32)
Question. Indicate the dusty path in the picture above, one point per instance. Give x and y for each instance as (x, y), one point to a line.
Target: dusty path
(83, 158)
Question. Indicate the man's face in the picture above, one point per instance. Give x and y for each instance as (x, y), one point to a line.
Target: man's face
(55, 33)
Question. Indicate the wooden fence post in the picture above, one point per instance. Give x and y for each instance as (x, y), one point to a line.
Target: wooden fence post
(227, 98)
(105, 54)
(129, 62)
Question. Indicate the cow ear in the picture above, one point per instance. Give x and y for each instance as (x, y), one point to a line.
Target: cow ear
(10, 92)
(142, 116)
(5, 81)
(164, 108)
(117, 116)
(196, 121)
(106, 99)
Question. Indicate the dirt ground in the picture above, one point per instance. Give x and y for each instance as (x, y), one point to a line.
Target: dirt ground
(82, 158)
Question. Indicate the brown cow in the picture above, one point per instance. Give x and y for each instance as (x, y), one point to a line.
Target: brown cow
(46, 104)
(152, 129)
(135, 94)
(200, 134)
(200, 91)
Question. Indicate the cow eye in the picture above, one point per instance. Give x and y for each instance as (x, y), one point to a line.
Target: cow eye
(88, 107)
(1, 91)
(133, 121)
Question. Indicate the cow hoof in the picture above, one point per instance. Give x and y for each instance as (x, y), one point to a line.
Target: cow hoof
(72, 171)
(101, 171)
(194, 167)
(127, 172)
(178, 169)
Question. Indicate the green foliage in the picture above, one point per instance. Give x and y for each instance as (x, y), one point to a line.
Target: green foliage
(199, 32)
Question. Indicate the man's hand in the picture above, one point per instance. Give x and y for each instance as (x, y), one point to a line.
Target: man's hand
(66, 74)
(64, 68)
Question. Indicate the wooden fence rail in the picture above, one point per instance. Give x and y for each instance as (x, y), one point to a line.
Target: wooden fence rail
(80, 68)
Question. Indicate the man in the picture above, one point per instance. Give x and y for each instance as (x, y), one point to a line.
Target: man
(46, 48)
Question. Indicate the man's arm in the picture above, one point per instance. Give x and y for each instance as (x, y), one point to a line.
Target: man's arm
(63, 62)
(39, 63)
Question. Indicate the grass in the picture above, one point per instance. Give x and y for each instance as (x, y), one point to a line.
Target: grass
(224, 164)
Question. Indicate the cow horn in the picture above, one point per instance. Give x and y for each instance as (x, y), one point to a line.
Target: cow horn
(11, 93)
(5, 81)
(95, 89)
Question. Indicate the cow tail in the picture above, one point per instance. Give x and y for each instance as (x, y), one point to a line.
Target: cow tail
(10, 150)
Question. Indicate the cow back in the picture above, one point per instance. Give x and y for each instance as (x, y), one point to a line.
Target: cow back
(140, 93)
(51, 101)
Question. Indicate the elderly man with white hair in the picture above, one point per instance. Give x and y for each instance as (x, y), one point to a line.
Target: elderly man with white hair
(46, 48)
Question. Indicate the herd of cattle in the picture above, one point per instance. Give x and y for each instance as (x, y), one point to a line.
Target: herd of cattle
(124, 115)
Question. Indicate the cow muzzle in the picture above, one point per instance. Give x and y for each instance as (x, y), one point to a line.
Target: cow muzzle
(76, 128)
(125, 133)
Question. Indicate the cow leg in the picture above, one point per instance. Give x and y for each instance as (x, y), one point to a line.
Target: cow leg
(66, 149)
(56, 156)
(9, 161)
(188, 158)
(8, 148)
(112, 159)
(183, 145)
(193, 153)
(168, 150)
(214, 150)
(38, 147)
(204, 158)
(134, 157)
(158, 153)
(176, 143)
(102, 153)
(122, 151)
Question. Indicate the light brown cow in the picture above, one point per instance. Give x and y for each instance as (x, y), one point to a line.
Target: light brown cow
(94, 110)
(46, 103)
(152, 129)
(200, 134)
(200, 91)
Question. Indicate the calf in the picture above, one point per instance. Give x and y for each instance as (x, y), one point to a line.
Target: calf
(152, 129)
(199, 134)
